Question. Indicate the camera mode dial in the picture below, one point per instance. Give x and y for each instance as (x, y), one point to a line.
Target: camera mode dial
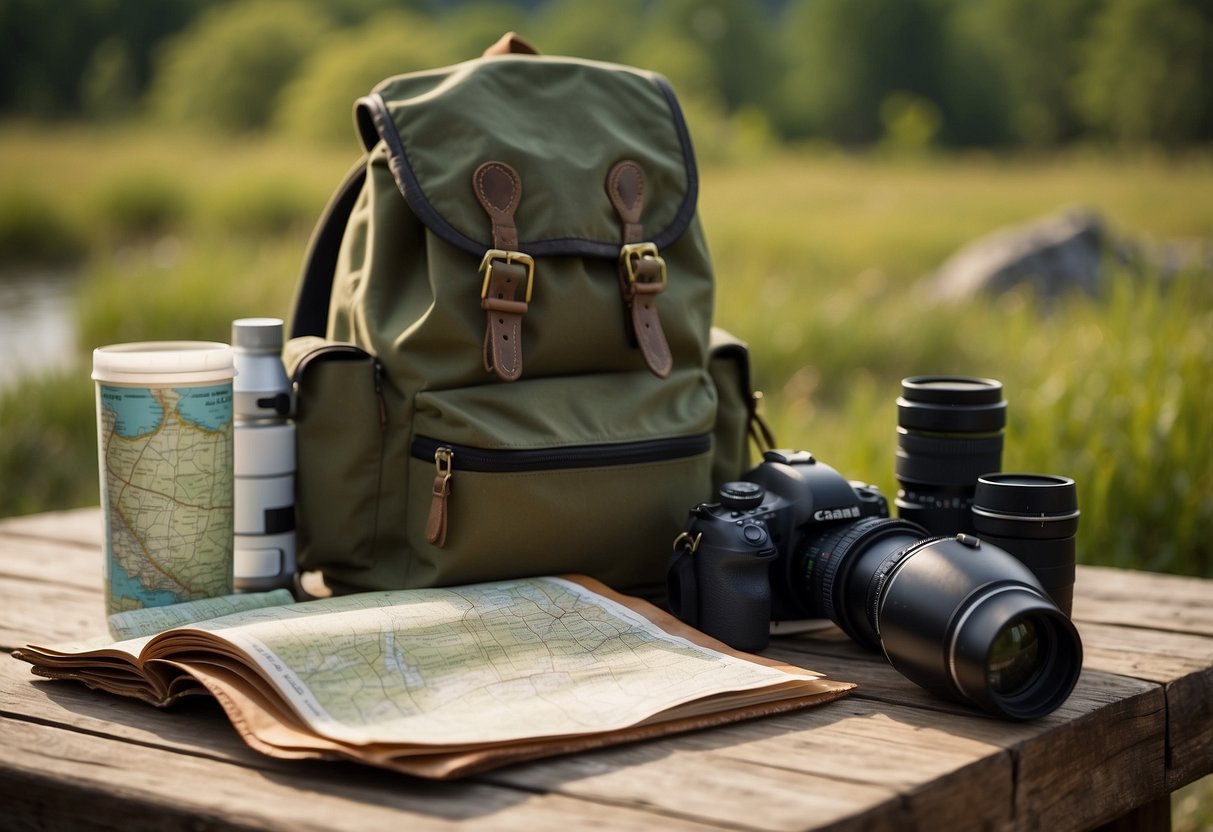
(741, 495)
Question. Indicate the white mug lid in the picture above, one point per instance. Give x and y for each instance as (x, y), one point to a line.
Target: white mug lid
(164, 362)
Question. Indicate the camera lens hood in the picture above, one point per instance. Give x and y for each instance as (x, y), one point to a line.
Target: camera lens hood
(945, 616)
(1048, 665)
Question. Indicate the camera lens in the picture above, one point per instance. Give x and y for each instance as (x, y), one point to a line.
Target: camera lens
(1014, 658)
(1035, 518)
(959, 617)
(949, 433)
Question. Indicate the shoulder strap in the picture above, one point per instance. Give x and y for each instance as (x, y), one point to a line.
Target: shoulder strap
(311, 313)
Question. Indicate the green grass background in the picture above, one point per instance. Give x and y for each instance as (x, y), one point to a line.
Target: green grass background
(820, 259)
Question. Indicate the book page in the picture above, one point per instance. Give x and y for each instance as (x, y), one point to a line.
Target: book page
(480, 664)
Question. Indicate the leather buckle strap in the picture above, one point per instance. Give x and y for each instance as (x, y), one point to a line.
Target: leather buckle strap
(503, 328)
(499, 190)
(642, 271)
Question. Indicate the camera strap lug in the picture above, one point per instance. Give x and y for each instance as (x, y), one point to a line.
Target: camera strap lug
(682, 590)
(689, 541)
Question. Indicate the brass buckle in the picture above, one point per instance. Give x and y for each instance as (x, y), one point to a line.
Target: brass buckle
(486, 267)
(633, 253)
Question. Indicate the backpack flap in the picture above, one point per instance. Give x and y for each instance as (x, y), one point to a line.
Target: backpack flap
(517, 159)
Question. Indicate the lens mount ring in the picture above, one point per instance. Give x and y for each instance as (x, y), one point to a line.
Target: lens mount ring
(837, 544)
(828, 551)
(886, 573)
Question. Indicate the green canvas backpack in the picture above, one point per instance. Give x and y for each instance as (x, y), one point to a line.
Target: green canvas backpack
(501, 344)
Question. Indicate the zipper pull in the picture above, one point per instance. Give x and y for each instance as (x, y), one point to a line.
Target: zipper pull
(435, 526)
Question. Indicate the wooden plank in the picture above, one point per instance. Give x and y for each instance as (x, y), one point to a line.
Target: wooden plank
(1183, 664)
(1097, 756)
(52, 590)
(1153, 817)
(81, 526)
(681, 779)
(1148, 600)
(51, 562)
(1122, 737)
(1088, 769)
(1189, 729)
(203, 732)
(852, 759)
(1144, 654)
(46, 614)
(1157, 627)
(196, 726)
(1121, 742)
(55, 778)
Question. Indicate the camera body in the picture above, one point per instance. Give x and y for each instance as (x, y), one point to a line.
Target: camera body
(955, 614)
(733, 568)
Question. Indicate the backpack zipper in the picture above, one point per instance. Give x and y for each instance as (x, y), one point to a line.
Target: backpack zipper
(449, 457)
(493, 461)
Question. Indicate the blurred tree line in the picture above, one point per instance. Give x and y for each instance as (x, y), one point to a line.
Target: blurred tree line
(908, 73)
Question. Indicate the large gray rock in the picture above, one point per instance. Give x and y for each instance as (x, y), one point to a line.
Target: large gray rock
(1053, 255)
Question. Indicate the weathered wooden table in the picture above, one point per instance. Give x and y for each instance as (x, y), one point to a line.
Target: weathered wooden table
(889, 756)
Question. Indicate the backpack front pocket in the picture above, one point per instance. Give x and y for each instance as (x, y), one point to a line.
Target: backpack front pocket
(490, 497)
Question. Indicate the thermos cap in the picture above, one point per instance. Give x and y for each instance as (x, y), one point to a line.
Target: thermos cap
(257, 334)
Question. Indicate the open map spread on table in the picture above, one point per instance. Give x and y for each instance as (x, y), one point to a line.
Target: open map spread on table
(437, 682)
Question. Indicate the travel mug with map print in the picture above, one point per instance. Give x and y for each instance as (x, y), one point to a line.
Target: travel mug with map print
(164, 428)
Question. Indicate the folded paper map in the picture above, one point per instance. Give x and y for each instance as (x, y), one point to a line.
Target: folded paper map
(438, 682)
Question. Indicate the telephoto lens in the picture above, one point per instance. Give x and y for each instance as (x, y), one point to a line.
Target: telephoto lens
(1035, 518)
(264, 458)
(949, 433)
(955, 615)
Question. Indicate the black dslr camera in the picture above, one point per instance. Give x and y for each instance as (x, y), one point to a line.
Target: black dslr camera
(794, 539)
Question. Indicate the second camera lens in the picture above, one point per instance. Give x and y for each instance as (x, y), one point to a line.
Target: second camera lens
(949, 433)
(1035, 518)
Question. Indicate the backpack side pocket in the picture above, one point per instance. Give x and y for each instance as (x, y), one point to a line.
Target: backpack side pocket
(339, 428)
